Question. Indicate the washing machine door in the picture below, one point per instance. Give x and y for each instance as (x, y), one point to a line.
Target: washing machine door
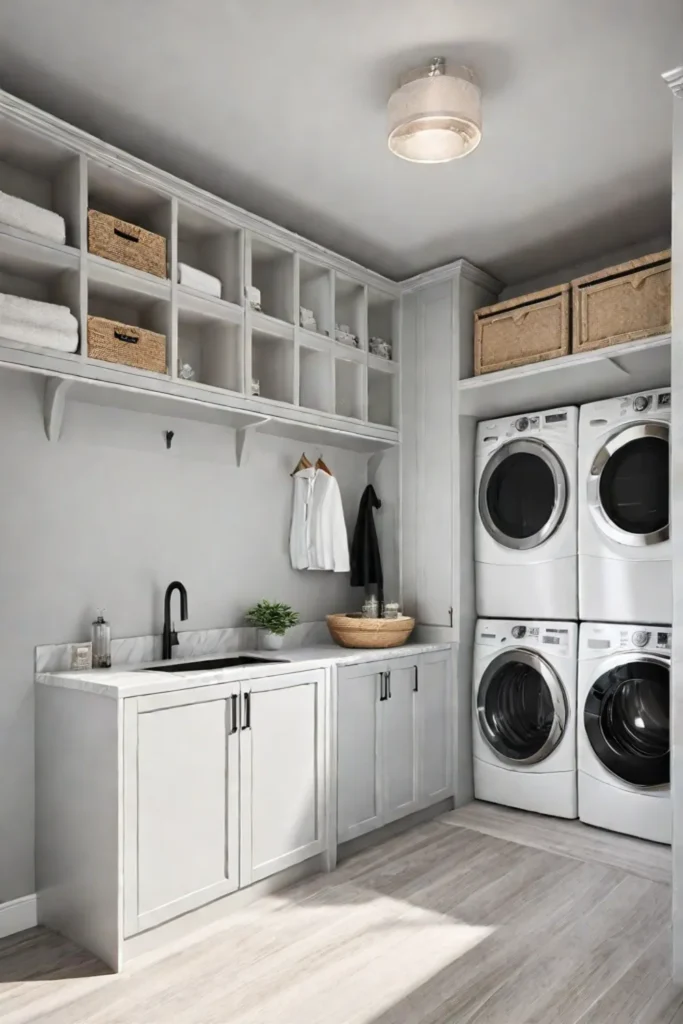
(521, 707)
(628, 485)
(626, 717)
(523, 494)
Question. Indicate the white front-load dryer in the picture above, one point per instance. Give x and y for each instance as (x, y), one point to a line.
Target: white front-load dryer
(624, 545)
(524, 715)
(623, 729)
(525, 516)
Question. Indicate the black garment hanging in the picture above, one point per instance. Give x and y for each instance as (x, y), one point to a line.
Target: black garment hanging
(366, 562)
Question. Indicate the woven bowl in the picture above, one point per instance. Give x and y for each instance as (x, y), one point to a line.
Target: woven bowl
(355, 631)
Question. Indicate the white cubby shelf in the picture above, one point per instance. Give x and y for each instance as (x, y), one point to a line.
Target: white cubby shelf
(311, 386)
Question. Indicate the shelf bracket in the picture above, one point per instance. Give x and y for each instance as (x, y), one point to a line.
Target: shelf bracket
(56, 390)
(375, 461)
(243, 440)
(618, 366)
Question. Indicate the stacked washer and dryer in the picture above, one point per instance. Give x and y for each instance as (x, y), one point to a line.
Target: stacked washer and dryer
(573, 579)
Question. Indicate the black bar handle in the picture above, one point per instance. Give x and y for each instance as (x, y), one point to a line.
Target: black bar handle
(389, 685)
(124, 234)
(130, 338)
(246, 720)
(416, 684)
(233, 714)
(382, 685)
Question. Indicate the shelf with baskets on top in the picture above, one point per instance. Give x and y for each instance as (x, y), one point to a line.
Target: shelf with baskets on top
(178, 293)
(598, 336)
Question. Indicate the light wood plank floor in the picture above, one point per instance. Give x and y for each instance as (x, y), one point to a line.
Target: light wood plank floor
(481, 917)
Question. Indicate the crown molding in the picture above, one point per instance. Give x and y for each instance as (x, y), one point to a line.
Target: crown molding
(674, 79)
(450, 271)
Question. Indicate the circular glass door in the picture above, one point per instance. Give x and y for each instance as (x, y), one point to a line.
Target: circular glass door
(626, 717)
(522, 494)
(521, 707)
(628, 486)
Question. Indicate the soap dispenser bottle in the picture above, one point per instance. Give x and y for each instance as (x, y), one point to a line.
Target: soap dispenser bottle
(101, 643)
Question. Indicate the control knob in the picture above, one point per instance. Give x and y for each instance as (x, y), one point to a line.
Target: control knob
(640, 638)
(522, 423)
(641, 402)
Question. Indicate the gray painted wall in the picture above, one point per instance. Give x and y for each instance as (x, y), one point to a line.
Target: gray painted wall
(108, 517)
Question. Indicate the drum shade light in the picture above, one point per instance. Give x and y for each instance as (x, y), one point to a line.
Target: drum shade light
(435, 114)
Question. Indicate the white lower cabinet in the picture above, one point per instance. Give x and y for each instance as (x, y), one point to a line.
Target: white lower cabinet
(223, 786)
(394, 740)
(282, 773)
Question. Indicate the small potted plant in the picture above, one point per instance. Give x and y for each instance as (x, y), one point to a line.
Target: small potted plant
(272, 621)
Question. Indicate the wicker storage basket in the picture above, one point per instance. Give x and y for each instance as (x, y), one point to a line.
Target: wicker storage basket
(523, 330)
(355, 631)
(126, 243)
(622, 303)
(120, 343)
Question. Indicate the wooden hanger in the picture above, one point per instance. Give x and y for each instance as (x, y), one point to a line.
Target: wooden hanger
(303, 463)
(321, 465)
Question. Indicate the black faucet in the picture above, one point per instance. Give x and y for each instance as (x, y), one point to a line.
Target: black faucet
(170, 639)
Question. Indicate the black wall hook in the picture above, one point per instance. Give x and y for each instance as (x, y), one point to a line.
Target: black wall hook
(168, 434)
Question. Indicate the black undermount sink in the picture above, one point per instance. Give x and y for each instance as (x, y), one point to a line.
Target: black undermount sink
(202, 666)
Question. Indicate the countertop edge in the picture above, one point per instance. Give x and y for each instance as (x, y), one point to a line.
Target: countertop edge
(140, 680)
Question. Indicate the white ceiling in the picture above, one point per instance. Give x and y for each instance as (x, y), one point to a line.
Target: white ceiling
(279, 106)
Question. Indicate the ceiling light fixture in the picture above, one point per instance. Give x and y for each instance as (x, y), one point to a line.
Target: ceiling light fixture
(435, 114)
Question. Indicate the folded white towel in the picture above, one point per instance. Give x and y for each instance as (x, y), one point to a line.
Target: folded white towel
(197, 279)
(17, 213)
(42, 337)
(40, 314)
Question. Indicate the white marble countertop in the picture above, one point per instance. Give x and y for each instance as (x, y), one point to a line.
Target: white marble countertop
(134, 681)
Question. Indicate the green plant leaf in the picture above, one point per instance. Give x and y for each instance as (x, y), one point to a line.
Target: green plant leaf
(273, 616)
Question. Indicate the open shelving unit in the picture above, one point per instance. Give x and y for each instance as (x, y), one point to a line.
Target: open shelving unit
(570, 380)
(311, 386)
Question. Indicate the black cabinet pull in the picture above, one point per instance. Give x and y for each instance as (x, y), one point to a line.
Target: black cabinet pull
(382, 686)
(416, 684)
(389, 685)
(246, 720)
(233, 714)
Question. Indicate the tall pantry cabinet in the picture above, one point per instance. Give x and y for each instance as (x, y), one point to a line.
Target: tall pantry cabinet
(675, 80)
(437, 473)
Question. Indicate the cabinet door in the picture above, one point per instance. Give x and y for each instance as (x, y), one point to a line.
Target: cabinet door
(282, 773)
(181, 792)
(436, 424)
(359, 795)
(435, 727)
(399, 739)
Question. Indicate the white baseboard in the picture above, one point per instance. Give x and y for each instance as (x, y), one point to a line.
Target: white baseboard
(17, 915)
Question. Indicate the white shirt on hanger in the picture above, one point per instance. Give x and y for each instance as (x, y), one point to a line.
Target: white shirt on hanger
(318, 538)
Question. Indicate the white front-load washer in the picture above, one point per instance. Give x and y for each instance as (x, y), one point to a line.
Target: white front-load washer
(623, 729)
(624, 545)
(524, 715)
(525, 516)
